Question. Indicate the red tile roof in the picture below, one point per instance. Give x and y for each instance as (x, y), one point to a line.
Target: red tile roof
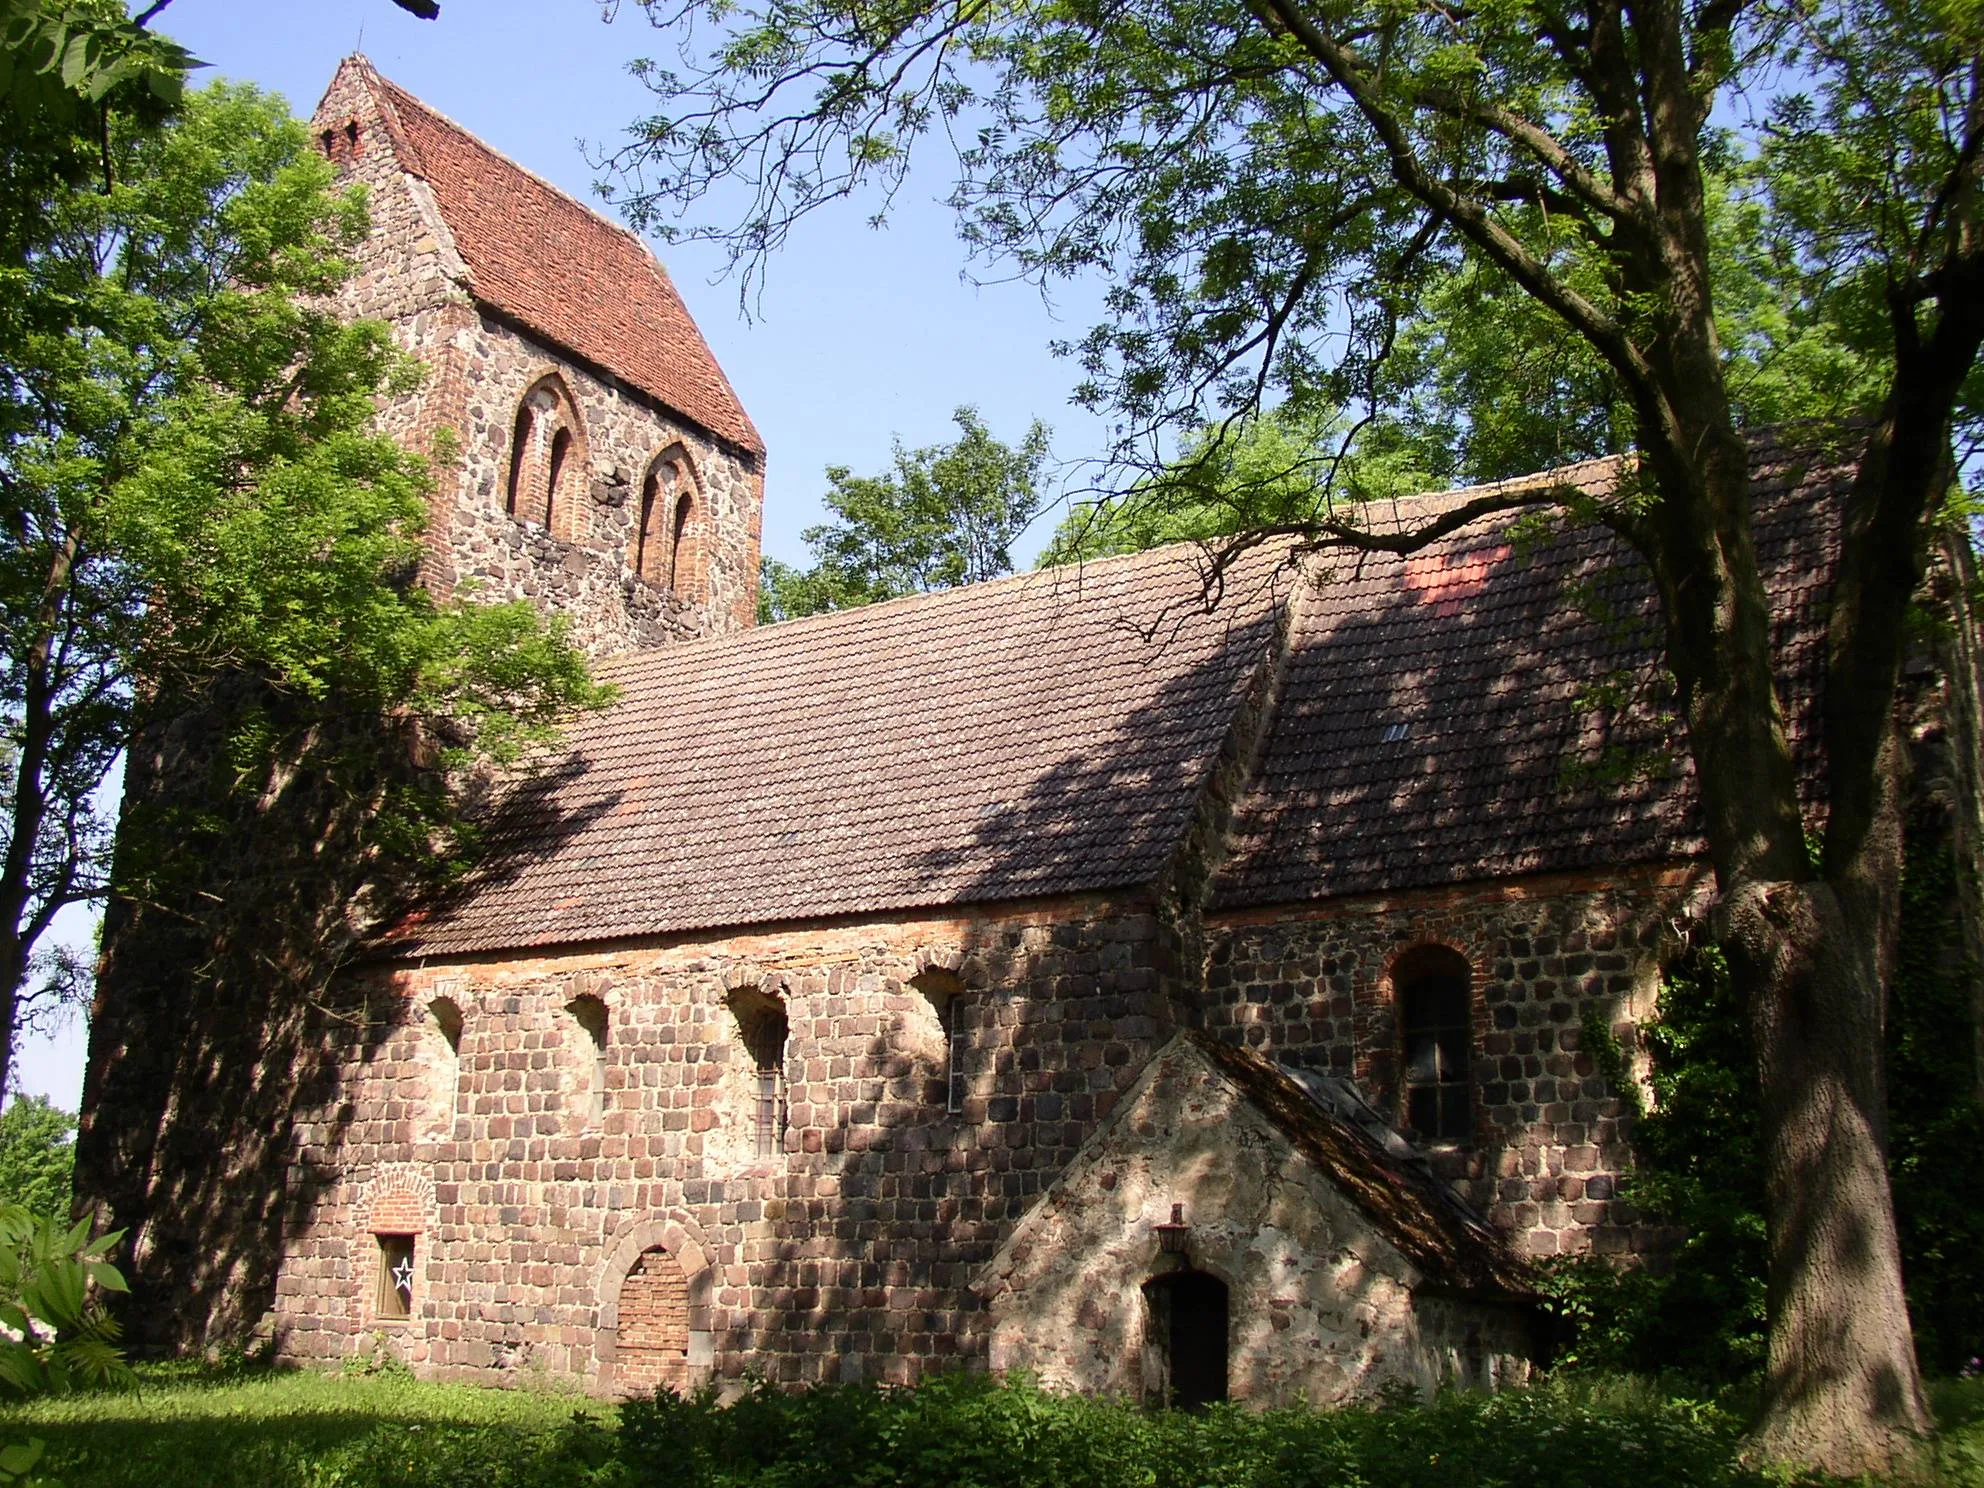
(1000, 741)
(1442, 718)
(1487, 708)
(560, 269)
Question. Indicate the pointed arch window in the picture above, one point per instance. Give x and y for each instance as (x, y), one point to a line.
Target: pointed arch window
(665, 546)
(445, 1023)
(522, 436)
(590, 1014)
(678, 570)
(557, 499)
(547, 454)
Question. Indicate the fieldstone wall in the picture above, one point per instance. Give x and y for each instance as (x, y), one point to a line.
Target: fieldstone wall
(1323, 1309)
(848, 1253)
(591, 577)
(1313, 986)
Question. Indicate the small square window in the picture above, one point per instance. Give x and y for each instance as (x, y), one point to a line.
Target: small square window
(395, 1277)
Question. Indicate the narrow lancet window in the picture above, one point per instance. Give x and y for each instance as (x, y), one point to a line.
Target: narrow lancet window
(761, 1025)
(591, 1016)
(1436, 1031)
(444, 1019)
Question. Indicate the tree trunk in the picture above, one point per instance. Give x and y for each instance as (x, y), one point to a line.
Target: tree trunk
(1841, 1389)
(1809, 953)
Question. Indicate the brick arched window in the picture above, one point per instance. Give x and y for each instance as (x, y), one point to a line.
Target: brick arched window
(547, 460)
(761, 1028)
(558, 507)
(681, 556)
(523, 436)
(1436, 1033)
(666, 546)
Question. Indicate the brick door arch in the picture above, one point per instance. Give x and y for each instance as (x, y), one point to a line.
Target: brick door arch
(651, 1341)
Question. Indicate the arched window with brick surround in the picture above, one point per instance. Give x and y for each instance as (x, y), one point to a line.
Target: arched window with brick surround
(761, 1030)
(557, 482)
(547, 460)
(1436, 1033)
(681, 557)
(523, 439)
(666, 550)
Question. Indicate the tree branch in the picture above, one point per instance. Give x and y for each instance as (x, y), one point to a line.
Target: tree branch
(1606, 335)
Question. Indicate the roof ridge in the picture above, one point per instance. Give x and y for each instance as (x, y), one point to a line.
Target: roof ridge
(923, 599)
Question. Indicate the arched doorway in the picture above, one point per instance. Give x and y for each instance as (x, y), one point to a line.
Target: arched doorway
(1188, 1332)
(651, 1344)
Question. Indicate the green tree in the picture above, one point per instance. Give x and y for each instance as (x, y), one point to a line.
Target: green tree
(1276, 191)
(37, 1156)
(1277, 474)
(191, 489)
(948, 514)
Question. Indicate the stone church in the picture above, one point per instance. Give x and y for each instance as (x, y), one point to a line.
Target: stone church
(1061, 973)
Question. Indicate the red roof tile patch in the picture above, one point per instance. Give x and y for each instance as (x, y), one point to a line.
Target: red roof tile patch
(1480, 710)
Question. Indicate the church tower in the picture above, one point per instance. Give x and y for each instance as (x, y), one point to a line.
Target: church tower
(588, 455)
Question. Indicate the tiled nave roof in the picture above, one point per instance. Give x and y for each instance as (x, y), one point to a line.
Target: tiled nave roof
(1481, 709)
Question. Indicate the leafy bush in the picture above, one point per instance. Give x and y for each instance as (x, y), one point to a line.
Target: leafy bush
(37, 1156)
(1700, 1168)
(447, 1456)
(51, 1278)
(58, 1338)
(1699, 1165)
(974, 1432)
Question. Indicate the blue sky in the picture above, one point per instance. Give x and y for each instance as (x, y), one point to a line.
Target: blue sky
(860, 334)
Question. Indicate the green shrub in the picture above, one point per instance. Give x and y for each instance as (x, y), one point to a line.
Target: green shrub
(448, 1456)
(51, 1278)
(967, 1431)
(1698, 1164)
(58, 1337)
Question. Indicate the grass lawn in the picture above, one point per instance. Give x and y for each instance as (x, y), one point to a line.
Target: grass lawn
(189, 1427)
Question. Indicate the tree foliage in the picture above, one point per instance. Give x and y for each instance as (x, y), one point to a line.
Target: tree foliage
(948, 514)
(1278, 474)
(37, 1156)
(192, 489)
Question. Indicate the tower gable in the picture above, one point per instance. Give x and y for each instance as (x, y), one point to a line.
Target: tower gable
(565, 378)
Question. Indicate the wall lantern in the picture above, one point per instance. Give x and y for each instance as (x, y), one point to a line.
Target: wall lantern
(1171, 1237)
